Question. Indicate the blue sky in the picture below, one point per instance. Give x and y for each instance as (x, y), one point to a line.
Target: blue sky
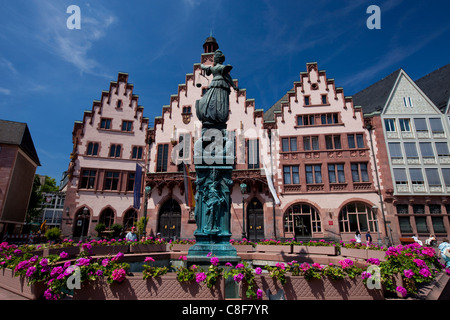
(49, 74)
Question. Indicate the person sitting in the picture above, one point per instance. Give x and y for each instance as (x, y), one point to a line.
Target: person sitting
(430, 241)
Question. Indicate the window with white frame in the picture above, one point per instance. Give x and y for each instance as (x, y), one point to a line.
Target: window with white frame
(416, 176)
(410, 150)
(389, 124)
(405, 125)
(421, 124)
(436, 125)
(433, 177)
(400, 176)
(442, 149)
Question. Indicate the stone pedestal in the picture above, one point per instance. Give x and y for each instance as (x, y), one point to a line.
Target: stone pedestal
(213, 165)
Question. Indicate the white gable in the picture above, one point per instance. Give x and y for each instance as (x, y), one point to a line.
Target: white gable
(406, 98)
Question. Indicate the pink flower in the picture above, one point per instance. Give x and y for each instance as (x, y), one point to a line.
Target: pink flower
(238, 277)
(149, 259)
(119, 275)
(209, 254)
(402, 291)
(420, 263)
(305, 266)
(214, 261)
(258, 270)
(374, 261)
(229, 264)
(239, 266)
(280, 265)
(366, 275)
(184, 258)
(63, 255)
(408, 273)
(30, 271)
(117, 257)
(105, 262)
(259, 294)
(425, 272)
(200, 277)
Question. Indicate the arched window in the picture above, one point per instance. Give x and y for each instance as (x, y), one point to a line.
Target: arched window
(129, 219)
(301, 219)
(357, 216)
(107, 217)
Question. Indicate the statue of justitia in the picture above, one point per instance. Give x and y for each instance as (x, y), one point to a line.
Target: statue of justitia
(213, 107)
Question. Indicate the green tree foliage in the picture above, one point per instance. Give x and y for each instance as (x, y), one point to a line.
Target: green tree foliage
(36, 197)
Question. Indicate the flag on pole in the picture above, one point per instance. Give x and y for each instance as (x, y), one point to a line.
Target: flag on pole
(137, 187)
(270, 184)
(188, 191)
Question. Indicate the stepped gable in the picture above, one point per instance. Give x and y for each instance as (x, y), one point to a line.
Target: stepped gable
(193, 83)
(313, 80)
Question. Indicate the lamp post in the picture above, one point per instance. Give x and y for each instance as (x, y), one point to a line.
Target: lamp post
(83, 216)
(147, 192)
(243, 187)
(374, 212)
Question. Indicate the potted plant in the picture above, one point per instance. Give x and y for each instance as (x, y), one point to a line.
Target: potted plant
(321, 247)
(274, 246)
(148, 245)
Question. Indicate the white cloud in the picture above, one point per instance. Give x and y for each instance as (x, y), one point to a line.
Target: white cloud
(5, 91)
(4, 63)
(75, 46)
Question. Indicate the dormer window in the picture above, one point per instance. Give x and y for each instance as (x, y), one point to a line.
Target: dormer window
(119, 104)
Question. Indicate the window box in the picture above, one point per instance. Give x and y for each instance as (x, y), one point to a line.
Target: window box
(166, 287)
(19, 285)
(298, 288)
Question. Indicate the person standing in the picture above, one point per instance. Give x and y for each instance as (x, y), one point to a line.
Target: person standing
(368, 238)
(358, 236)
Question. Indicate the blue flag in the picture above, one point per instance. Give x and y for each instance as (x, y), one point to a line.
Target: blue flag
(137, 187)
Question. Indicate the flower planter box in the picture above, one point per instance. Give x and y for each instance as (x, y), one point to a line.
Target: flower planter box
(378, 254)
(19, 285)
(177, 247)
(166, 287)
(71, 251)
(354, 253)
(109, 250)
(146, 248)
(244, 248)
(298, 288)
(324, 250)
(272, 248)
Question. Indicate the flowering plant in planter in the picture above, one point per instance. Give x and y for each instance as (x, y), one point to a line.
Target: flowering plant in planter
(85, 268)
(274, 242)
(151, 271)
(278, 272)
(243, 272)
(185, 274)
(149, 240)
(244, 241)
(182, 241)
(413, 263)
(313, 271)
(355, 245)
(315, 243)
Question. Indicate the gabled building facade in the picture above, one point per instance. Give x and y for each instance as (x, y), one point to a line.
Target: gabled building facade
(107, 144)
(326, 171)
(416, 135)
(18, 163)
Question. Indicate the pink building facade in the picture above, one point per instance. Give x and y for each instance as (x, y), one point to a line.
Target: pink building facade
(107, 144)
